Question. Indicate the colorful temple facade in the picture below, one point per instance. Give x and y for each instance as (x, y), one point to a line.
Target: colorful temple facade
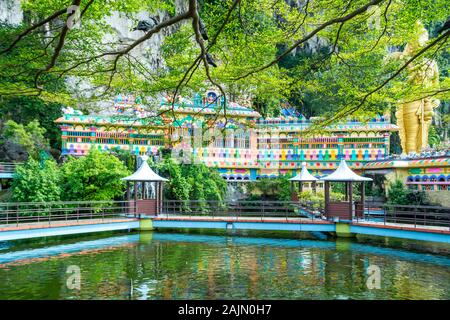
(427, 174)
(245, 145)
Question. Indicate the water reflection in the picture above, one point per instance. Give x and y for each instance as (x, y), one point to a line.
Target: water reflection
(196, 266)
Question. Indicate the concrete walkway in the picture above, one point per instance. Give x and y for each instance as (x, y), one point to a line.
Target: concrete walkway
(60, 223)
(240, 219)
(402, 226)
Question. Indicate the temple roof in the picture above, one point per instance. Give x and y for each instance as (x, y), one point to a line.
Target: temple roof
(144, 173)
(304, 175)
(231, 109)
(344, 173)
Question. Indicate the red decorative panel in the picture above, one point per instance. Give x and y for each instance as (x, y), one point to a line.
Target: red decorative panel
(339, 209)
(146, 207)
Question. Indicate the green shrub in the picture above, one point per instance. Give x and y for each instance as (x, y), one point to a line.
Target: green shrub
(317, 201)
(277, 189)
(314, 201)
(192, 182)
(30, 137)
(400, 195)
(35, 182)
(96, 176)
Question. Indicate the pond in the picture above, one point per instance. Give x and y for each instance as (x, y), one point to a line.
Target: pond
(205, 265)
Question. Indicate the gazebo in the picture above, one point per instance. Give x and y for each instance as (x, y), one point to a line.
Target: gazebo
(344, 209)
(147, 190)
(303, 176)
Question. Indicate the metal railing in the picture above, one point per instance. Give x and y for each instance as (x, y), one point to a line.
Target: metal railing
(47, 212)
(413, 216)
(238, 209)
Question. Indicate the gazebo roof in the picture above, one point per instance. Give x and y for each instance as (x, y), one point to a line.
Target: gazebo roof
(144, 173)
(304, 175)
(344, 173)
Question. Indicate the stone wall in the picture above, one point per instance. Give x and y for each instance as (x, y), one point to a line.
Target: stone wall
(441, 197)
(10, 12)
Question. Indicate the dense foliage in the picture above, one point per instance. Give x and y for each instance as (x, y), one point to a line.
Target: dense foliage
(400, 195)
(191, 181)
(24, 109)
(96, 176)
(93, 177)
(270, 189)
(127, 158)
(317, 200)
(30, 137)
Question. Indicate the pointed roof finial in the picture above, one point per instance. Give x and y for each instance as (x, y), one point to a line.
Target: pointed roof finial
(344, 173)
(144, 173)
(304, 175)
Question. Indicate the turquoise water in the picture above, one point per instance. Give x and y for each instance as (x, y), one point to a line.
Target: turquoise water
(248, 265)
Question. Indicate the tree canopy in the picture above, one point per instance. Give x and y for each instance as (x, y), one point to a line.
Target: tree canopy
(191, 181)
(329, 54)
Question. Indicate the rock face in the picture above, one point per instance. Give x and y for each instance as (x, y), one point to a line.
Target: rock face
(12, 152)
(148, 53)
(10, 12)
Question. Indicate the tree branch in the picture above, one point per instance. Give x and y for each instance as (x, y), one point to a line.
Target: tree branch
(310, 35)
(341, 113)
(33, 27)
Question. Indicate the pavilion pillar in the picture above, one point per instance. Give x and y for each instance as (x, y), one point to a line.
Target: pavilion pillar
(300, 186)
(346, 191)
(158, 196)
(314, 187)
(363, 200)
(127, 204)
(294, 196)
(135, 197)
(161, 197)
(350, 199)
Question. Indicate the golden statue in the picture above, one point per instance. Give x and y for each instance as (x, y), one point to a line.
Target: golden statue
(414, 116)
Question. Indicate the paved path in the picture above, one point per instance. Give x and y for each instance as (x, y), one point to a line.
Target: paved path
(402, 226)
(170, 217)
(240, 219)
(367, 223)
